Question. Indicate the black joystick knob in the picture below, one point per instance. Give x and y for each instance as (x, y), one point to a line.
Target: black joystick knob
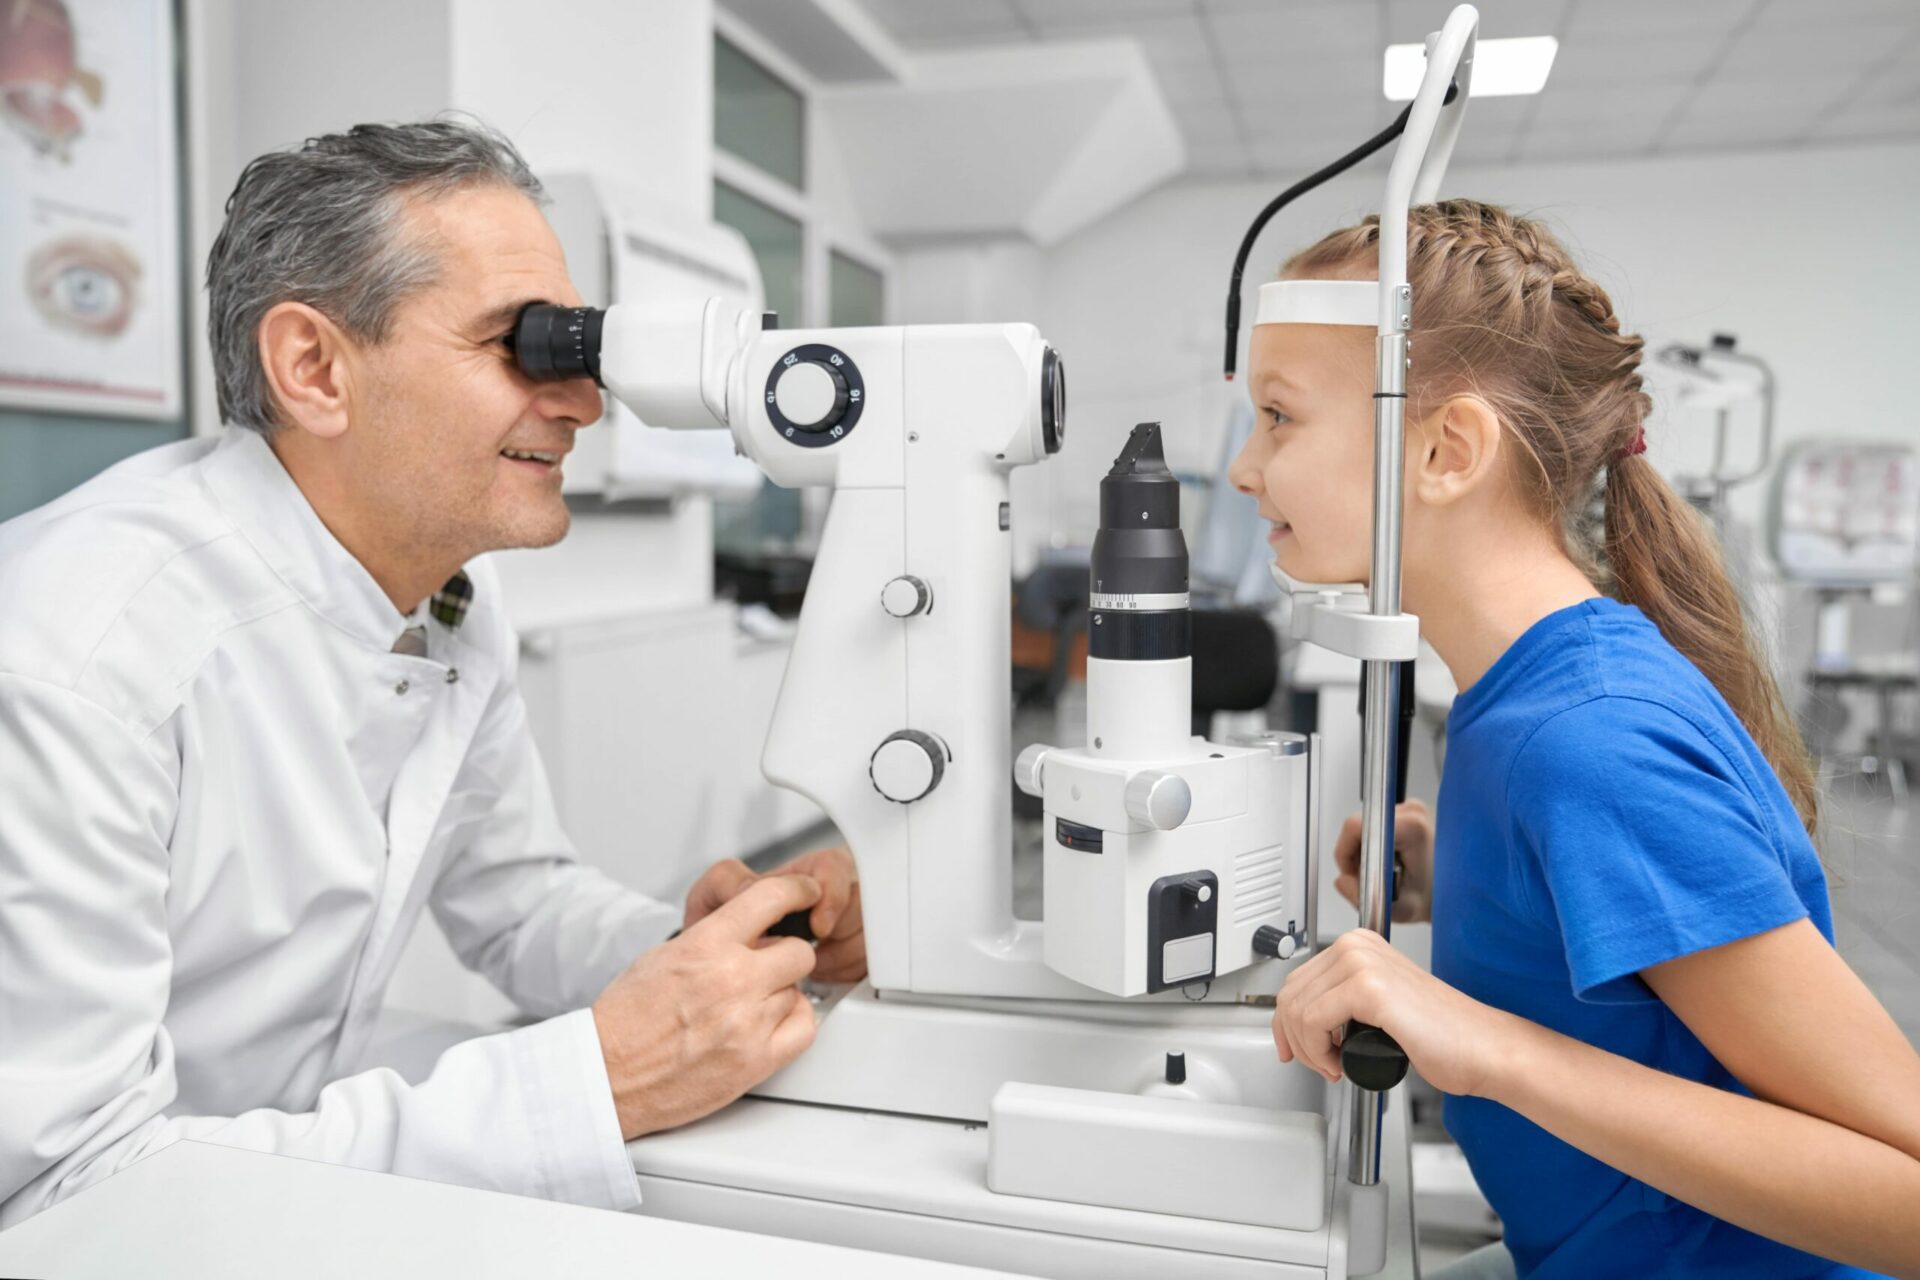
(1371, 1058)
(794, 924)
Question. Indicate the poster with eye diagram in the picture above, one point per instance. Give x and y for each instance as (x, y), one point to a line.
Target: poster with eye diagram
(90, 317)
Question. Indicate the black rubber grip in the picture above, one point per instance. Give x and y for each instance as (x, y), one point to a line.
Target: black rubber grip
(794, 924)
(1371, 1059)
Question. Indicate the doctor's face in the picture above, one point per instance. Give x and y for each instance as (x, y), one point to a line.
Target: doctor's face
(458, 446)
(1309, 461)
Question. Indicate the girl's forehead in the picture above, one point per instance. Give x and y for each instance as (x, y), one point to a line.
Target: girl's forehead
(1306, 357)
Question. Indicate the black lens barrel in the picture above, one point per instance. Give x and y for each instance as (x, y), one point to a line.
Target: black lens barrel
(1139, 550)
(1140, 557)
(552, 343)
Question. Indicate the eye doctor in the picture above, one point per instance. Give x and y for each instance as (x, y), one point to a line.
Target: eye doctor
(258, 711)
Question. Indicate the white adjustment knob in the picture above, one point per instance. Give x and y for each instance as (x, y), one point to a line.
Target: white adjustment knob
(908, 765)
(806, 394)
(1029, 770)
(906, 596)
(1160, 800)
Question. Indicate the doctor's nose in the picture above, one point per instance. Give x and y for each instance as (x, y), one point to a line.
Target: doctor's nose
(573, 402)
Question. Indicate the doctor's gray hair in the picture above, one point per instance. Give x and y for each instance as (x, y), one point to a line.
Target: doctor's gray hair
(323, 225)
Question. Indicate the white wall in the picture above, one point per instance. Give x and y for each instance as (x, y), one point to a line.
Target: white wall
(624, 87)
(1809, 256)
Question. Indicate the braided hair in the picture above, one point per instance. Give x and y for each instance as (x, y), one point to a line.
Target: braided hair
(1502, 311)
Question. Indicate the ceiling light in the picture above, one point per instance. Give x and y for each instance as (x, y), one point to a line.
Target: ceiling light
(1515, 65)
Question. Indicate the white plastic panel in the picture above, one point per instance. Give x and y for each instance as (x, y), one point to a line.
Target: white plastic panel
(1162, 1155)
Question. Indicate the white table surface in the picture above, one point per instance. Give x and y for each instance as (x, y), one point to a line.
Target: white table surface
(195, 1211)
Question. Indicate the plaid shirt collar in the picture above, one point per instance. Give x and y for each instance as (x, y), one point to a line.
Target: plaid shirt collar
(449, 604)
(269, 510)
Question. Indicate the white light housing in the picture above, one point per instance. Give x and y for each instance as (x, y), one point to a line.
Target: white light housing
(1501, 68)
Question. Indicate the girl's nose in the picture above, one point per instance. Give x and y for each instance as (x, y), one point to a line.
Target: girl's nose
(1243, 475)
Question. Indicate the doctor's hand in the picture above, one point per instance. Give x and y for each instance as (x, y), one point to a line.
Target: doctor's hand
(835, 920)
(1413, 841)
(1453, 1040)
(702, 1018)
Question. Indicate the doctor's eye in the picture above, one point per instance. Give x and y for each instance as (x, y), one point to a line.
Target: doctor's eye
(84, 284)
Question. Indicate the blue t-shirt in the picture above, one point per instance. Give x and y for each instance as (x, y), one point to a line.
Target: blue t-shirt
(1603, 810)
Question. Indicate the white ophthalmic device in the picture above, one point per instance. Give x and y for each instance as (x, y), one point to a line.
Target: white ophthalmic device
(1118, 1051)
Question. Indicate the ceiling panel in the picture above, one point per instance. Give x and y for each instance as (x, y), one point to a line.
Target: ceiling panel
(1409, 21)
(911, 21)
(1803, 14)
(1273, 30)
(1781, 53)
(1651, 19)
(1611, 61)
(1067, 12)
(1277, 84)
(1869, 124)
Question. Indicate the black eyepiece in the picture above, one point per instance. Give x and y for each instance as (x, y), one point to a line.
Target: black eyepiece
(552, 343)
(1053, 400)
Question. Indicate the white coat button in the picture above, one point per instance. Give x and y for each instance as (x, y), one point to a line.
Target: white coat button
(402, 687)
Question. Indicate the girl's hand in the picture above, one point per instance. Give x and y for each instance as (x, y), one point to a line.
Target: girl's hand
(1412, 843)
(1453, 1040)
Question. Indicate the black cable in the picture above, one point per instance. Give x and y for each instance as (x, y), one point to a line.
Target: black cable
(1286, 198)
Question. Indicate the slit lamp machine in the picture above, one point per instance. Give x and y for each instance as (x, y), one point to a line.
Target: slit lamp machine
(1095, 1092)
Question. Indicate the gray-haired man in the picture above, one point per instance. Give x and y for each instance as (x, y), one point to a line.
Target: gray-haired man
(258, 710)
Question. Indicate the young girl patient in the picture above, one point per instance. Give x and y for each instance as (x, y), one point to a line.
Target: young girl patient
(1655, 1061)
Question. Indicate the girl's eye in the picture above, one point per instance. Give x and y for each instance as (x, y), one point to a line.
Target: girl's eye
(1275, 416)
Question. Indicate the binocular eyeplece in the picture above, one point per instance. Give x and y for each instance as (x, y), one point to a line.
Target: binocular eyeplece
(551, 342)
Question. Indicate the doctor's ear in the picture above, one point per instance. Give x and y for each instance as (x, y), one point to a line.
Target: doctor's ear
(1457, 447)
(305, 358)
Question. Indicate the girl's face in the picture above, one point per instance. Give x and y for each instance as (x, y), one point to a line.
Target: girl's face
(1309, 461)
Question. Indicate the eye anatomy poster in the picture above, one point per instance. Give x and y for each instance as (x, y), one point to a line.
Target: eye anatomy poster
(90, 315)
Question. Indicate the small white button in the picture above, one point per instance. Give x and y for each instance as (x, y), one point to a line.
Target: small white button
(805, 393)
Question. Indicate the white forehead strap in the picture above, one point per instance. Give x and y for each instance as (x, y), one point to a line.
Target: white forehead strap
(1319, 302)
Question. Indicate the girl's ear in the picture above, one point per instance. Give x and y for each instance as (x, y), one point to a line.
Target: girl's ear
(1455, 449)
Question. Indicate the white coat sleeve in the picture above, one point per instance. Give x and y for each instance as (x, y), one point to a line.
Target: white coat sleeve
(516, 905)
(87, 1081)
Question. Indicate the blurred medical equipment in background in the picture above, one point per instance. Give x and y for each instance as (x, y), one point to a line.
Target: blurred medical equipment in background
(1715, 378)
(1843, 519)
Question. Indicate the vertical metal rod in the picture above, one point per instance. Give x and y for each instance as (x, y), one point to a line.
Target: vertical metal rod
(1379, 725)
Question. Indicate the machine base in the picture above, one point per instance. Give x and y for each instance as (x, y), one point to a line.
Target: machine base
(916, 1183)
(946, 1056)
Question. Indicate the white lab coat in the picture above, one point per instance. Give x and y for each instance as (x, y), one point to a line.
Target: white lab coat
(223, 804)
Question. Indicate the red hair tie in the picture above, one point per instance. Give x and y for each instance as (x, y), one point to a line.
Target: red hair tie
(1634, 450)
